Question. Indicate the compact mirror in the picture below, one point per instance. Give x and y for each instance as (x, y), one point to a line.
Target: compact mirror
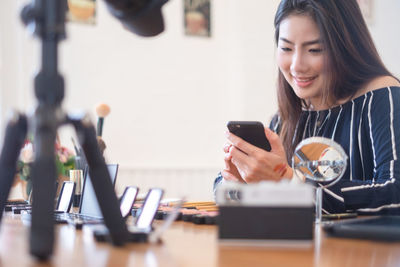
(321, 160)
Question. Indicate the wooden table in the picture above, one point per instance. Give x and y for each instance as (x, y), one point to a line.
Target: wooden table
(186, 244)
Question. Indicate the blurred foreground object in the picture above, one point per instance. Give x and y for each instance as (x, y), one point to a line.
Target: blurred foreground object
(142, 17)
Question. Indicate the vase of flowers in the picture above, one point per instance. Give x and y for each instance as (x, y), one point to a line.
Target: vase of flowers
(65, 161)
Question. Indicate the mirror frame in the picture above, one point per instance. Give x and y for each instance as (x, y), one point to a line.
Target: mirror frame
(330, 143)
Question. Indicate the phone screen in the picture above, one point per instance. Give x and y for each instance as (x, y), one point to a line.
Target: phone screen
(64, 202)
(149, 208)
(127, 200)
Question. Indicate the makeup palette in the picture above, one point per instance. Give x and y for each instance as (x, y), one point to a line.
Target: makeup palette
(195, 212)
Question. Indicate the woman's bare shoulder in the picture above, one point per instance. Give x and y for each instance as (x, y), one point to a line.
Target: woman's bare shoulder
(378, 83)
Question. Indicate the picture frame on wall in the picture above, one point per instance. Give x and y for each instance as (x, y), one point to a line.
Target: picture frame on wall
(197, 19)
(82, 11)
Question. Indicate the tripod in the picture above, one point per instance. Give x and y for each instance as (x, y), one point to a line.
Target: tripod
(48, 20)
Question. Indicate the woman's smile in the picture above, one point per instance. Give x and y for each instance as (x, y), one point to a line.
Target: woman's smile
(304, 82)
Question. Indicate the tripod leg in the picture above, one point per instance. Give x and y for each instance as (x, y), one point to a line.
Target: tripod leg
(101, 181)
(13, 141)
(43, 174)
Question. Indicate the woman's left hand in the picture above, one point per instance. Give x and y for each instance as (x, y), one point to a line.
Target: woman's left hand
(255, 164)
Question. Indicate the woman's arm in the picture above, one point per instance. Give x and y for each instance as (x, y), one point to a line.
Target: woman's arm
(382, 128)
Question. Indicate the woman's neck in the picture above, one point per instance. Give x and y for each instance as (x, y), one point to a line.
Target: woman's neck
(324, 105)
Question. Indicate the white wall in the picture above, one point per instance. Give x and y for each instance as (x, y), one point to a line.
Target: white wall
(171, 95)
(385, 30)
(13, 85)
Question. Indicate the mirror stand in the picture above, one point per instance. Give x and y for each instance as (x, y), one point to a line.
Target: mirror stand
(320, 160)
(318, 204)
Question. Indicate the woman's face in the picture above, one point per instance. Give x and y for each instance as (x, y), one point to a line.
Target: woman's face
(300, 58)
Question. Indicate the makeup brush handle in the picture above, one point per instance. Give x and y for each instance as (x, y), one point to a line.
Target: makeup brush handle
(100, 123)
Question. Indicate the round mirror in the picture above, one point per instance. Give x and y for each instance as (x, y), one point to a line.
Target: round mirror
(321, 160)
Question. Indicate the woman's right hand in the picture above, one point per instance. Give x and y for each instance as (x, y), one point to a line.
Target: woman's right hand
(230, 172)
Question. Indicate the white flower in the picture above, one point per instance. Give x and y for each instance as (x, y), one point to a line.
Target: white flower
(26, 154)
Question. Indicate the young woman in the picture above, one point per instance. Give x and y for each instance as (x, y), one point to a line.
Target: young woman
(331, 83)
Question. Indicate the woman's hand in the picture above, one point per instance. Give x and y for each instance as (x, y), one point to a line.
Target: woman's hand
(230, 173)
(254, 164)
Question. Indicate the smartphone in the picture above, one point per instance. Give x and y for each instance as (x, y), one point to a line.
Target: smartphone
(127, 200)
(65, 198)
(149, 208)
(251, 131)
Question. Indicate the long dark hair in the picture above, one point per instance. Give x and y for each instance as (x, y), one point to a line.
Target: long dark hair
(351, 59)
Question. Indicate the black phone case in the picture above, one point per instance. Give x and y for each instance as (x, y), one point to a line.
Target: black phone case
(250, 131)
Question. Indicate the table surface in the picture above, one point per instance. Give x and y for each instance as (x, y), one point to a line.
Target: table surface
(187, 244)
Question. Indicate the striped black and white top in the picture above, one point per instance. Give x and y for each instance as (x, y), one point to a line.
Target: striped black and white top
(368, 129)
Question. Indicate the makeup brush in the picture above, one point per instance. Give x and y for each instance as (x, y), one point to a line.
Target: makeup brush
(102, 111)
(80, 159)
